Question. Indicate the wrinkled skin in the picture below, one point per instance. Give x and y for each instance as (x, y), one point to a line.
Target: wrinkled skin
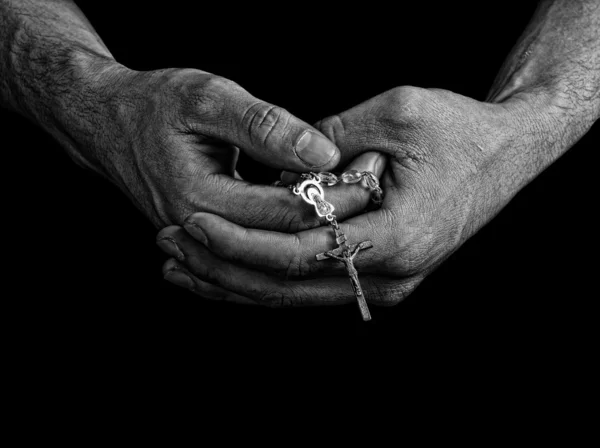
(453, 162)
(173, 143)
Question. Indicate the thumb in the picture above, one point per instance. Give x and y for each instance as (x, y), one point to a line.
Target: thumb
(360, 129)
(267, 133)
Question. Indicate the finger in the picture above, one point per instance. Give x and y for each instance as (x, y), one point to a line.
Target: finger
(369, 126)
(177, 274)
(272, 291)
(276, 208)
(370, 161)
(294, 255)
(211, 185)
(349, 199)
(267, 133)
(251, 205)
(289, 177)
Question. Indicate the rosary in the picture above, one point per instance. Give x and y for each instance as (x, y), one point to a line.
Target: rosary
(309, 188)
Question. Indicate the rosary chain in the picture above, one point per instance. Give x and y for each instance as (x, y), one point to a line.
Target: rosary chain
(349, 177)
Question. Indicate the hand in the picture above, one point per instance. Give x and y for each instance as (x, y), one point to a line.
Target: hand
(453, 163)
(173, 141)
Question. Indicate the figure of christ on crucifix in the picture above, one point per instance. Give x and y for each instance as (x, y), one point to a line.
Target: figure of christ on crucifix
(346, 253)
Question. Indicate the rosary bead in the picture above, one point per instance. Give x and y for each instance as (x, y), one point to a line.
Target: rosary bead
(372, 182)
(352, 176)
(377, 196)
(328, 178)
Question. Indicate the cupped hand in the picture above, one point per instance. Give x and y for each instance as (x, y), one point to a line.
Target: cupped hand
(448, 173)
(174, 141)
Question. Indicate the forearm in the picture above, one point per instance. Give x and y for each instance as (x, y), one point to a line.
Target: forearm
(53, 69)
(550, 89)
(556, 66)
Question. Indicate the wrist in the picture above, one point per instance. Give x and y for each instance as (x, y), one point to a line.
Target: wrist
(524, 137)
(556, 114)
(85, 115)
(529, 131)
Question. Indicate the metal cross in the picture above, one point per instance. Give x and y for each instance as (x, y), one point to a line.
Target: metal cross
(346, 253)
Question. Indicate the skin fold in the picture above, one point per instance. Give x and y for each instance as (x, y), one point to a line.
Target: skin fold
(453, 164)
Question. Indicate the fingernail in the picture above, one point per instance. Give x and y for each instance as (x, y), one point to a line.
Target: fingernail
(169, 245)
(196, 231)
(314, 149)
(180, 279)
(380, 165)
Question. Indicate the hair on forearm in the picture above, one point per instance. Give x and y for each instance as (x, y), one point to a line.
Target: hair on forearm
(560, 50)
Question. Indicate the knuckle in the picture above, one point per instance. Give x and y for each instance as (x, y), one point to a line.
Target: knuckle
(170, 265)
(354, 202)
(205, 95)
(406, 117)
(276, 299)
(406, 95)
(192, 191)
(178, 208)
(298, 267)
(332, 127)
(219, 85)
(412, 156)
(289, 217)
(168, 232)
(262, 216)
(262, 120)
(405, 105)
(296, 221)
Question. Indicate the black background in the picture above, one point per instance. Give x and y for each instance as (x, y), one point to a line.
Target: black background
(82, 277)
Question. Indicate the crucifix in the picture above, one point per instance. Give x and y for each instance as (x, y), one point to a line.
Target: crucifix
(346, 253)
(311, 191)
